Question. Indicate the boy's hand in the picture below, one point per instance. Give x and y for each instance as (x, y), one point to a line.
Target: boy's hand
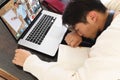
(20, 56)
(73, 39)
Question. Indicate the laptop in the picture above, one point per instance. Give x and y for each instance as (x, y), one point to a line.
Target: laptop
(37, 29)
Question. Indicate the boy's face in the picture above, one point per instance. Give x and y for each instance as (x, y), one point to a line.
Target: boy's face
(87, 30)
(91, 28)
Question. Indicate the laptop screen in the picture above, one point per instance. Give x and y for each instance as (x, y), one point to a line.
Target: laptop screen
(19, 14)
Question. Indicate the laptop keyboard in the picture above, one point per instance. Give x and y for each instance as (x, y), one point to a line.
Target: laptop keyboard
(40, 30)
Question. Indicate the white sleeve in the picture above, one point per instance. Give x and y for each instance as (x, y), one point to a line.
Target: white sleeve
(69, 60)
(101, 68)
(48, 71)
(36, 66)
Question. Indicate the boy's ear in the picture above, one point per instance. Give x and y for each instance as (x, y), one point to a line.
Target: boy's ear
(92, 17)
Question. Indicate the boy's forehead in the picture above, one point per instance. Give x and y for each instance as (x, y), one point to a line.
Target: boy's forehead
(80, 25)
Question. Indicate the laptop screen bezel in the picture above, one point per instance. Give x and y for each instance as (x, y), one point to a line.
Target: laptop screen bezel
(28, 28)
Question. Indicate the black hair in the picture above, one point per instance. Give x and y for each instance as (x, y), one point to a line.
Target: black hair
(77, 10)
